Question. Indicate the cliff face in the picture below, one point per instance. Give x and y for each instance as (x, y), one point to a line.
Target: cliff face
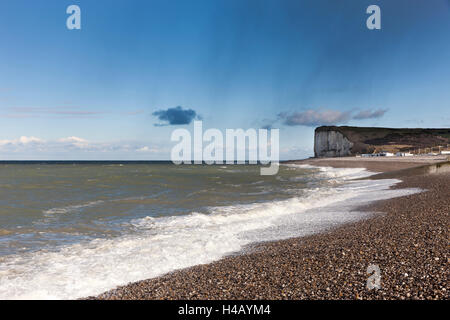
(331, 144)
(332, 141)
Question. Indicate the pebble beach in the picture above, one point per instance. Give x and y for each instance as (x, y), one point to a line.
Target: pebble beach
(406, 237)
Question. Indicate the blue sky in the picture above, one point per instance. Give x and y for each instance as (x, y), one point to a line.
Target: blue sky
(97, 93)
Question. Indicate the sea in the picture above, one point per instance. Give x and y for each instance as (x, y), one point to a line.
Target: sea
(74, 229)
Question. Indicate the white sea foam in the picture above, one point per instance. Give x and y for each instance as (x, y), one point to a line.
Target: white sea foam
(78, 207)
(161, 245)
(72, 208)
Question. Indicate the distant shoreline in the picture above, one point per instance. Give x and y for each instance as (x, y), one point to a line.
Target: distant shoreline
(333, 162)
(408, 241)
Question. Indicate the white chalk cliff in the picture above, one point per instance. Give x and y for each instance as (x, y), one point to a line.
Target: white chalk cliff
(331, 144)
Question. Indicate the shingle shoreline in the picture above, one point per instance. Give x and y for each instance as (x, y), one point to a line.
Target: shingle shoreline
(408, 241)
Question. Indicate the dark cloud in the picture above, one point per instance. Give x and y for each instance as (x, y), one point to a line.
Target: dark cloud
(175, 116)
(314, 118)
(369, 114)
